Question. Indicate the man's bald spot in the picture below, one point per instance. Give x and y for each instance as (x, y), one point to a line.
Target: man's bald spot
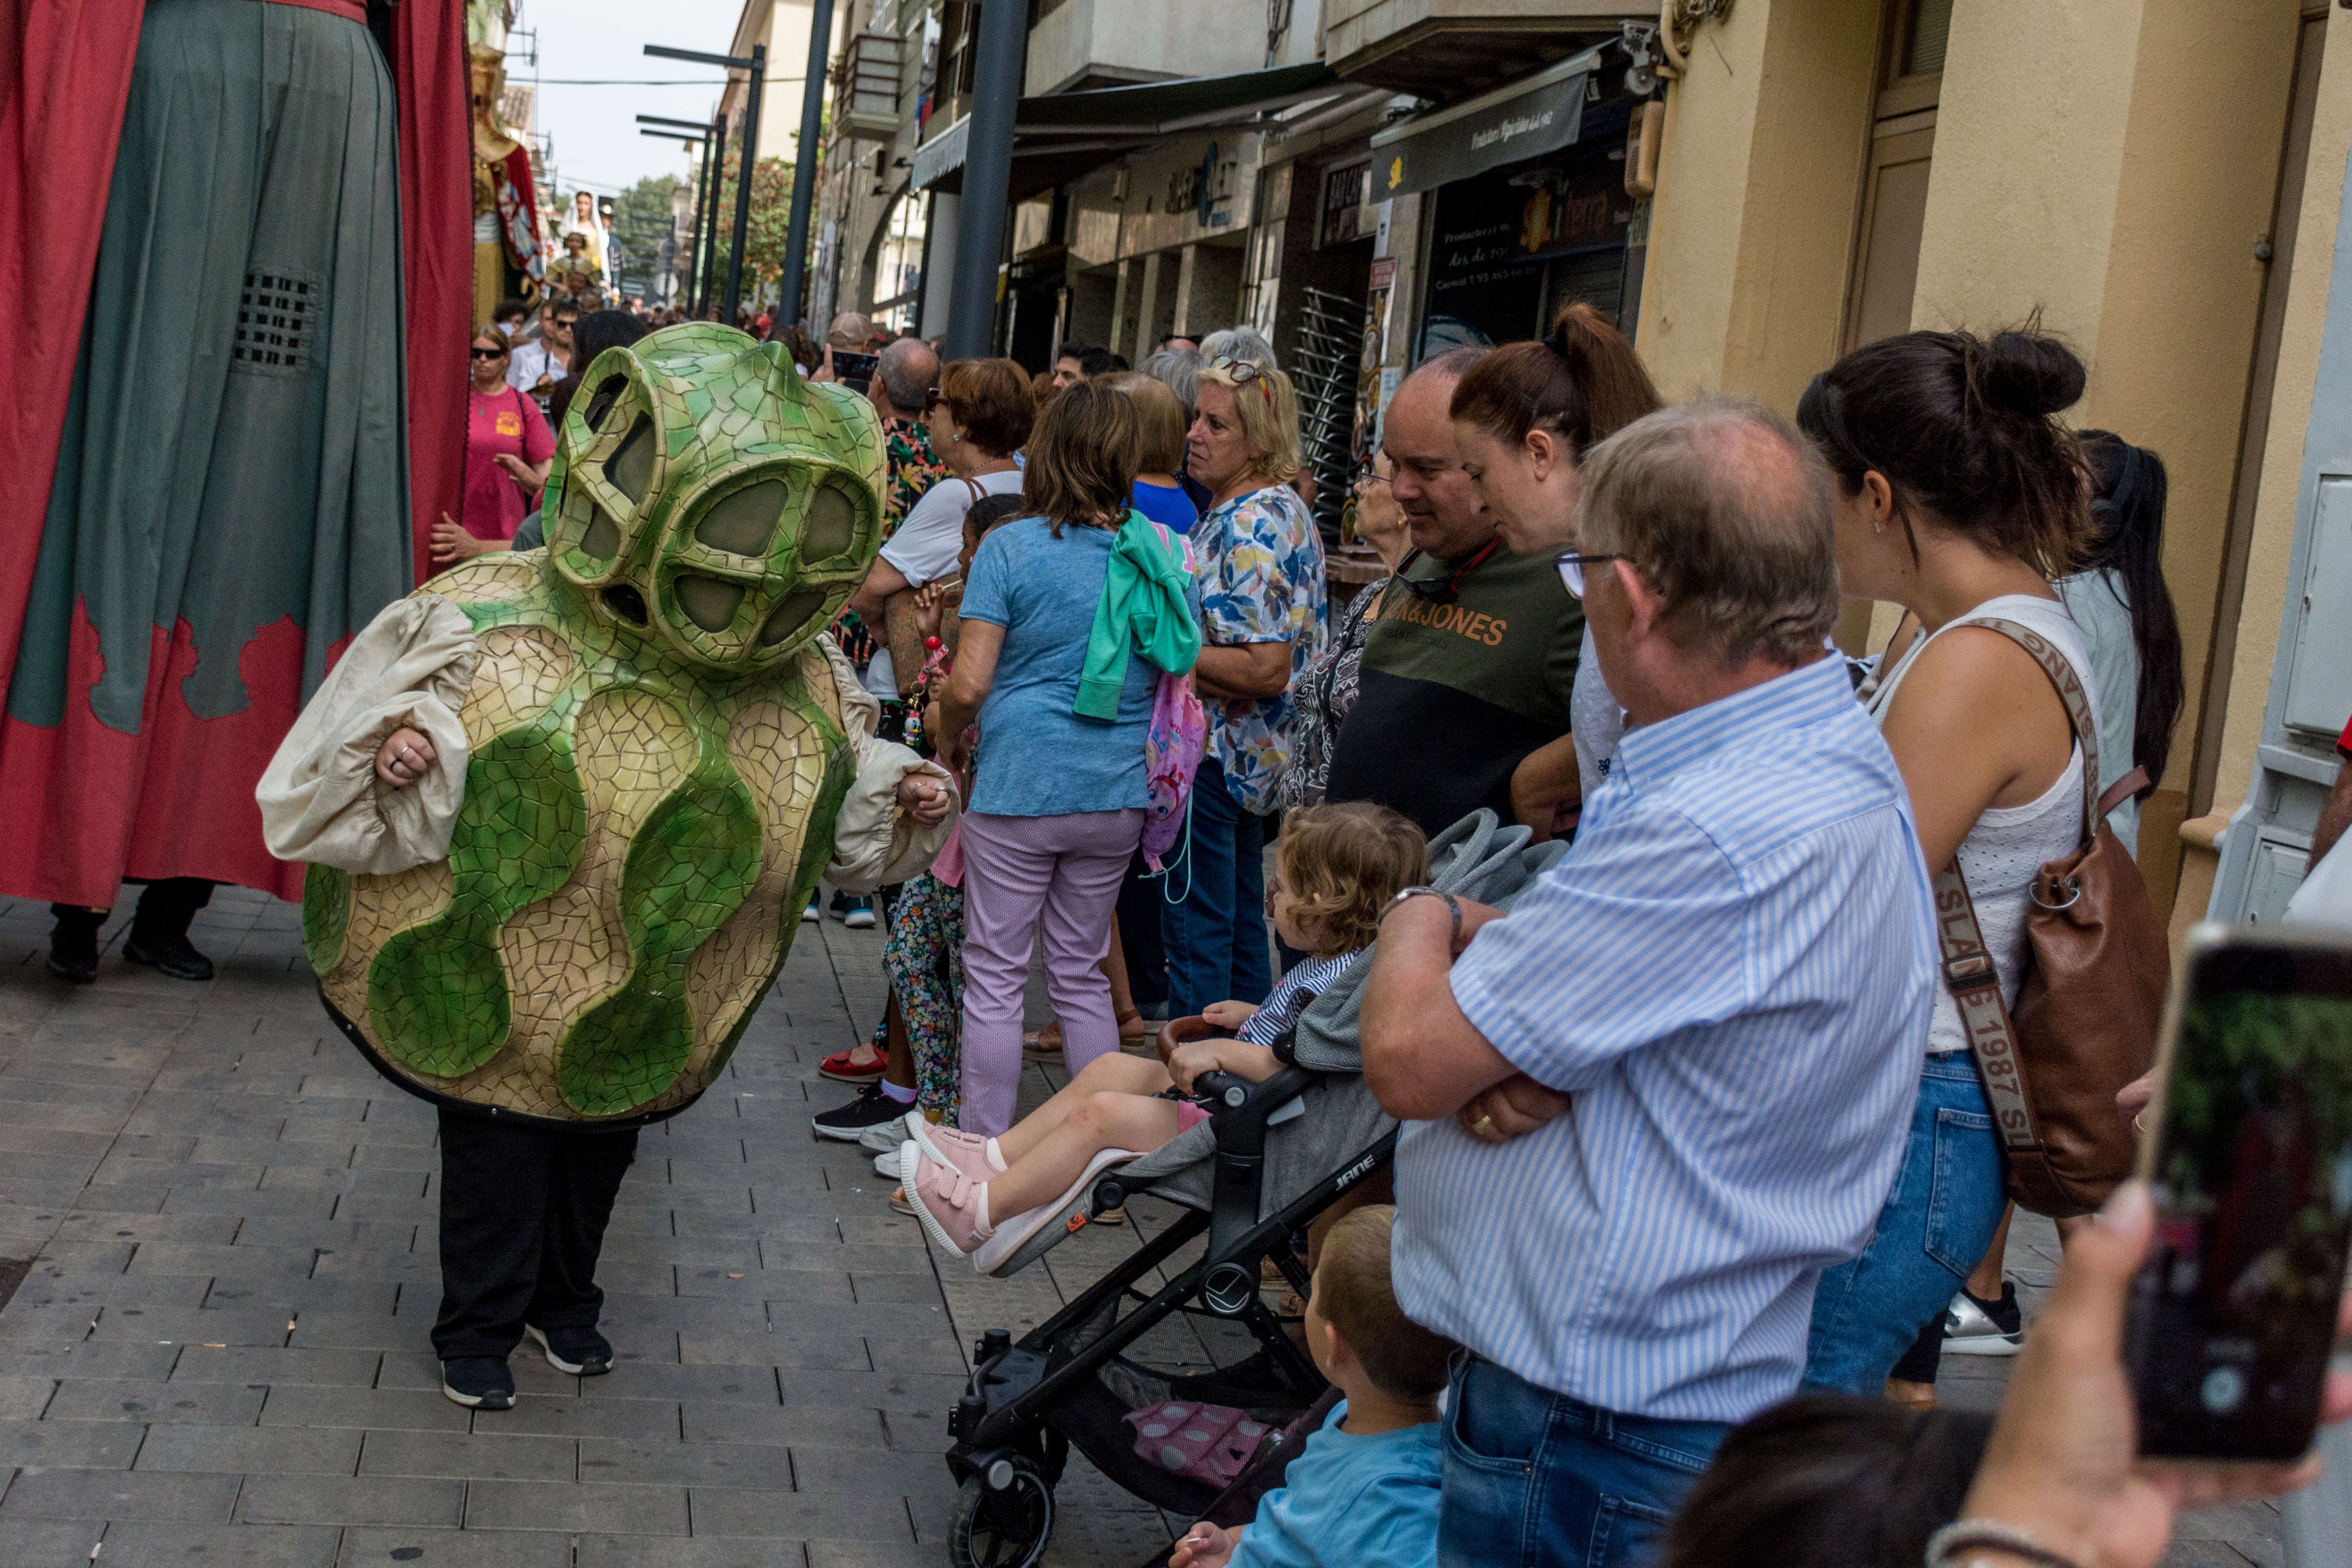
(907, 369)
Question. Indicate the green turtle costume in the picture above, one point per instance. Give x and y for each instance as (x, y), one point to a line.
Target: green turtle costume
(648, 753)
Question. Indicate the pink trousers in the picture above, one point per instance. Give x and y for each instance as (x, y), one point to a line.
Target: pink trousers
(1022, 873)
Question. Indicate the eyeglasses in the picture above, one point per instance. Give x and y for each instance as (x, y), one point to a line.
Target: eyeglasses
(1572, 564)
(1241, 372)
(1446, 589)
(489, 353)
(934, 399)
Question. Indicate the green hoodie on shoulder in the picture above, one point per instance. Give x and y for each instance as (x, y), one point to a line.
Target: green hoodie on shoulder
(1145, 608)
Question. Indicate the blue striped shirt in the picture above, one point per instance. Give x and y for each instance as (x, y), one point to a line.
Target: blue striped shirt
(1730, 970)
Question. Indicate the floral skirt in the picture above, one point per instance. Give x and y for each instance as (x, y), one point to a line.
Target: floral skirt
(924, 957)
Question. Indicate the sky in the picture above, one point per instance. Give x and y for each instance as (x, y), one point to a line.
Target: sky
(594, 128)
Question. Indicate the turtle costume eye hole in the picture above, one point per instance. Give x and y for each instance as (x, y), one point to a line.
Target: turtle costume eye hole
(614, 471)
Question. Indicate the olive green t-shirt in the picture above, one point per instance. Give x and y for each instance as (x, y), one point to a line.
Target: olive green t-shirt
(1453, 696)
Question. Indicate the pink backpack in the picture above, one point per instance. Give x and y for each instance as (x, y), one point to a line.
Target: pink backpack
(1172, 745)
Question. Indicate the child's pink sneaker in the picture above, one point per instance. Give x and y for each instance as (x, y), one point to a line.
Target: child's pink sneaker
(958, 1150)
(952, 1206)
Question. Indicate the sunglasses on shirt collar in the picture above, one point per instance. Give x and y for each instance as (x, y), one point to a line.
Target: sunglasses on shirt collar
(1444, 590)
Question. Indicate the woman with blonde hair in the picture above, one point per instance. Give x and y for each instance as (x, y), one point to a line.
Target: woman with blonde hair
(1262, 613)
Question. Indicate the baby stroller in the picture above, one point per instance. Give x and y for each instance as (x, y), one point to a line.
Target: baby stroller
(1271, 1157)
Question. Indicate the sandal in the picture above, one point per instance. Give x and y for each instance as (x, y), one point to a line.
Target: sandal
(1135, 1030)
(1045, 1043)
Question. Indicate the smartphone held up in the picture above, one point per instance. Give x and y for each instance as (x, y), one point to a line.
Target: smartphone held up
(2249, 1155)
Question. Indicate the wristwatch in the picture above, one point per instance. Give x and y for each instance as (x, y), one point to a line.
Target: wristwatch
(1453, 907)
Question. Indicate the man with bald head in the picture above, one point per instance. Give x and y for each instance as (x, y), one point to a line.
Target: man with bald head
(1647, 1108)
(1472, 651)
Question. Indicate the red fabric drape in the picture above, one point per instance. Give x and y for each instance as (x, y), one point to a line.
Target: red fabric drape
(65, 77)
(436, 234)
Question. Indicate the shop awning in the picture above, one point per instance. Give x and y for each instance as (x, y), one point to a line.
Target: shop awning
(1525, 119)
(1060, 136)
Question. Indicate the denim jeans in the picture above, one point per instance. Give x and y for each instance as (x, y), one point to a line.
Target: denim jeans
(1939, 1217)
(1216, 937)
(1536, 1480)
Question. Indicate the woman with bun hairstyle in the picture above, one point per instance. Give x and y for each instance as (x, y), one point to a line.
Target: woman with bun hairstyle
(1523, 418)
(1961, 498)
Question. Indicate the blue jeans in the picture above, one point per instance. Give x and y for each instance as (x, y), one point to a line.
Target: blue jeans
(1535, 1479)
(1939, 1219)
(1216, 937)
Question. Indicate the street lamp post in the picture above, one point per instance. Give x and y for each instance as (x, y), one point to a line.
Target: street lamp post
(998, 64)
(788, 308)
(747, 159)
(706, 188)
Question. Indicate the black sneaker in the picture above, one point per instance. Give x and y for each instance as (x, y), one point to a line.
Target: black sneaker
(583, 1352)
(478, 1383)
(860, 915)
(73, 952)
(1976, 1327)
(872, 1108)
(174, 955)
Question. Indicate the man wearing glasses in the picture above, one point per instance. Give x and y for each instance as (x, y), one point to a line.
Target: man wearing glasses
(1650, 1104)
(1472, 653)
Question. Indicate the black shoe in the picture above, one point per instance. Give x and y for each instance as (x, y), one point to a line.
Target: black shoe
(583, 1352)
(74, 956)
(872, 1108)
(860, 915)
(478, 1383)
(842, 904)
(173, 955)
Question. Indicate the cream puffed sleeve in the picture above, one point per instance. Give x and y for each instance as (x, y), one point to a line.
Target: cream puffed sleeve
(320, 800)
(876, 843)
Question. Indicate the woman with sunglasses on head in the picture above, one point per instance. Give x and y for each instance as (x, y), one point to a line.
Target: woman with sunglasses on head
(508, 449)
(1261, 614)
(1523, 419)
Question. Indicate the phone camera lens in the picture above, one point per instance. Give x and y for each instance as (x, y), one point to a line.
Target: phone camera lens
(2224, 1390)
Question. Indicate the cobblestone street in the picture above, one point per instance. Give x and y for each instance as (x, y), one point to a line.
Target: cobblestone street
(218, 1355)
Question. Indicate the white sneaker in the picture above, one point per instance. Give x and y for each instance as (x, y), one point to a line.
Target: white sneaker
(886, 1163)
(883, 1137)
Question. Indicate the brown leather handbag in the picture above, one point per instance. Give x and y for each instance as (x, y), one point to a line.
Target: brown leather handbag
(2097, 964)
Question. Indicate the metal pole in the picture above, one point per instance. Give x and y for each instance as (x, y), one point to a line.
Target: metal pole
(745, 164)
(709, 216)
(701, 206)
(1003, 46)
(804, 164)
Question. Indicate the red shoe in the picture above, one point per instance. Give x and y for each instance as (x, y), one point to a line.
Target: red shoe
(842, 1066)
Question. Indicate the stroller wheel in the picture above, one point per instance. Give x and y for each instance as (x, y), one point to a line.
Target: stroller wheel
(1002, 1526)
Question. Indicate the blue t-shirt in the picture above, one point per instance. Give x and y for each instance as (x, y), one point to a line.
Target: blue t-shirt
(1037, 757)
(1166, 505)
(1350, 1503)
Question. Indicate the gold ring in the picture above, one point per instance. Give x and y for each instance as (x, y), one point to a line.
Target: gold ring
(1484, 1125)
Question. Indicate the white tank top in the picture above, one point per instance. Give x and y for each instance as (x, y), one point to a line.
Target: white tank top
(2009, 843)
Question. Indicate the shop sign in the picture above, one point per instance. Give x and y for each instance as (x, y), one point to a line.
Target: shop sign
(1344, 191)
(1525, 120)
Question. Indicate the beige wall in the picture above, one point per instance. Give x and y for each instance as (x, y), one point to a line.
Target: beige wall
(2116, 176)
(1753, 228)
(2292, 391)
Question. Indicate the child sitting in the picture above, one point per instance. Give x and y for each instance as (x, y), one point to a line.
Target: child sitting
(1363, 1491)
(1336, 868)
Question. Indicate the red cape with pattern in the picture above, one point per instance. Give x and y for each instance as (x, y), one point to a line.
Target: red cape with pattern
(65, 78)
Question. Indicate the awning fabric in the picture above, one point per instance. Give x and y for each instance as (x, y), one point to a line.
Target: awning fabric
(1525, 119)
(1060, 136)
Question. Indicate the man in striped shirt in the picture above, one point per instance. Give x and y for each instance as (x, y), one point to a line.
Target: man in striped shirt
(1648, 1107)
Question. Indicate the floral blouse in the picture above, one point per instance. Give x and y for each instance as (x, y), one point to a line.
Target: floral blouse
(1324, 692)
(1261, 581)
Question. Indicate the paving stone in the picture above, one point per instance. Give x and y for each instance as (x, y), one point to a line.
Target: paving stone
(456, 1549)
(379, 1409)
(794, 1350)
(817, 1468)
(672, 1463)
(797, 1515)
(743, 1384)
(910, 1392)
(74, 1444)
(702, 1552)
(472, 1457)
(576, 1417)
(552, 1505)
(86, 1225)
(306, 1298)
(120, 1495)
(405, 1367)
(351, 1500)
(220, 1546)
(277, 1365)
(51, 1286)
(181, 1258)
(41, 1540)
(237, 1450)
(193, 1325)
(91, 1358)
(102, 1399)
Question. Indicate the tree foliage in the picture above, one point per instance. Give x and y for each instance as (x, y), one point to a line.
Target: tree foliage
(641, 220)
(771, 218)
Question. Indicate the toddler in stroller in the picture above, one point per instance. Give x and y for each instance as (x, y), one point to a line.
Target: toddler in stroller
(1100, 1372)
(1335, 870)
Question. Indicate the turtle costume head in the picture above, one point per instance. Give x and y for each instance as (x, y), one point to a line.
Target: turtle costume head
(713, 497)
(656, 751)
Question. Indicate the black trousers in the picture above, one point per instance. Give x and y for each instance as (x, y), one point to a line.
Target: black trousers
(523, 1212)
(166, 909)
